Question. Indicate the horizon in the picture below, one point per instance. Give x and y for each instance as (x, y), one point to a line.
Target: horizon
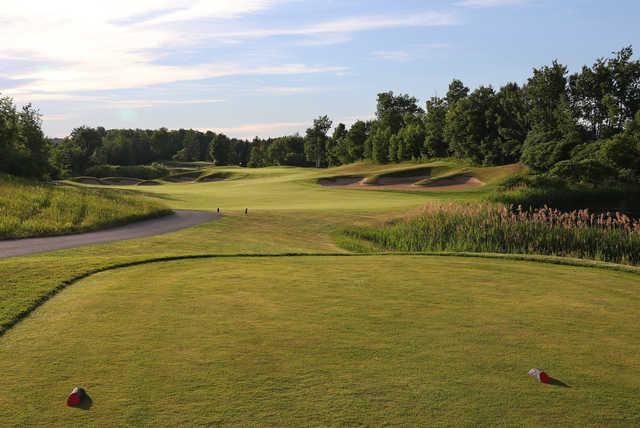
(267, 68)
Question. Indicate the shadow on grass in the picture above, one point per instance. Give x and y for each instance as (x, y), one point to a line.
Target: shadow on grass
(557, 382)
(86, 403)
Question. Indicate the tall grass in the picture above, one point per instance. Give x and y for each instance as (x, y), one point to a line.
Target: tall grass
(37, 209)
(458, 226)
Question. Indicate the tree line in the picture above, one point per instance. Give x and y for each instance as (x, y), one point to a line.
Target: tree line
(581, 127)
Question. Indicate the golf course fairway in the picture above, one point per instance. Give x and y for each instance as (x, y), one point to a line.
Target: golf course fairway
(274, 324)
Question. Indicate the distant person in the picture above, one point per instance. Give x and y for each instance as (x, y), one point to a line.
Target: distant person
(218, 212)
(246, 211)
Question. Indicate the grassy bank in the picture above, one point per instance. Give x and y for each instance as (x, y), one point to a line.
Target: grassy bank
(30, 208)
(498, 229)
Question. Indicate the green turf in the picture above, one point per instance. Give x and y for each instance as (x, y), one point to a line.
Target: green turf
(326, 340)
(330, 341)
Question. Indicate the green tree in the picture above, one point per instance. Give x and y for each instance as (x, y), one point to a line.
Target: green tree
(471, 128)
(546, 90)
(391, 110)
(457, 91)
(378, 141)
(221, 150)
(355, 140)
(435, 121)
(256, 159)
(412, 138)
(315, 141)
(337, 153)
(511, 121)
(36, 161)
(190, 150)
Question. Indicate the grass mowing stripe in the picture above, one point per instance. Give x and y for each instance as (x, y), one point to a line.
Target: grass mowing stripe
(330, 341)
(40, 300)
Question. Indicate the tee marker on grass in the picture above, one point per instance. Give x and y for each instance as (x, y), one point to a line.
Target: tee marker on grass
(540, 375)
(76, 396)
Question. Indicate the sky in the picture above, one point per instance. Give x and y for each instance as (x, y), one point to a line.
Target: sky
(269, 67)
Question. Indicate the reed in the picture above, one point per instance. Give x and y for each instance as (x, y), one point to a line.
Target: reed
(467, 227)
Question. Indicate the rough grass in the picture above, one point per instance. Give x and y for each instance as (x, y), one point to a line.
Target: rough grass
(330, 341)
(499, 229)
(36, 209)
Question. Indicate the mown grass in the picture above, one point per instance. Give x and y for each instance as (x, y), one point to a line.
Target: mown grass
(325, 341)
(499, 229)
(37, 209)
(330, 341)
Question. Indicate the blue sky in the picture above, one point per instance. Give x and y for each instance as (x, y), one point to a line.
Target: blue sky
(269, 67)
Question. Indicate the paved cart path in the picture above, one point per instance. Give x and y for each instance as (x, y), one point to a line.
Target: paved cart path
(180, 219)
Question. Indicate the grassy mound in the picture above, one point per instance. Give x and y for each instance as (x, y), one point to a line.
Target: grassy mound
(401, 173)
(182, 177)
(35, 209)
(214, 176)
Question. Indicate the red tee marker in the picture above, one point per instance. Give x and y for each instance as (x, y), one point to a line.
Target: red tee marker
(540, 375)
(75, 397)
(544, 378)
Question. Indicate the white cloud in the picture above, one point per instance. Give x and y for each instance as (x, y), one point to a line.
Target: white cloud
(288, 90)
(57, 117)
(79, 45)
(489, 3)
(400, 56)
(87, 77)
(264, 130)
(279, 129)
(102, 102)
(344, 26)
(413, 52)
(325, 40)
(132, 104)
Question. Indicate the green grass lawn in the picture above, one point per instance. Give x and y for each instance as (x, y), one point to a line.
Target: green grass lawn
(310, 340)
(320, 341)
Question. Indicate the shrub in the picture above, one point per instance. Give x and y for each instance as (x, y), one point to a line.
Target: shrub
(144, 172)
(585, 171)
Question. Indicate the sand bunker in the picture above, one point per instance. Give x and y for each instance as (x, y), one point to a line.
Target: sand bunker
(403, 183)
(182, 179)
(87, 181)
(341, 181)
(453, 183)
(400, 181)
(211, 179)
(118, 181)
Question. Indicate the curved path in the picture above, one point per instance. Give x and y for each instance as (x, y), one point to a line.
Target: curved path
(180, 219)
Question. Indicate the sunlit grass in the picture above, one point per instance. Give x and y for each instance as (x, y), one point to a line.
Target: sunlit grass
(488, 228)
(326, 341)
(36, 209)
